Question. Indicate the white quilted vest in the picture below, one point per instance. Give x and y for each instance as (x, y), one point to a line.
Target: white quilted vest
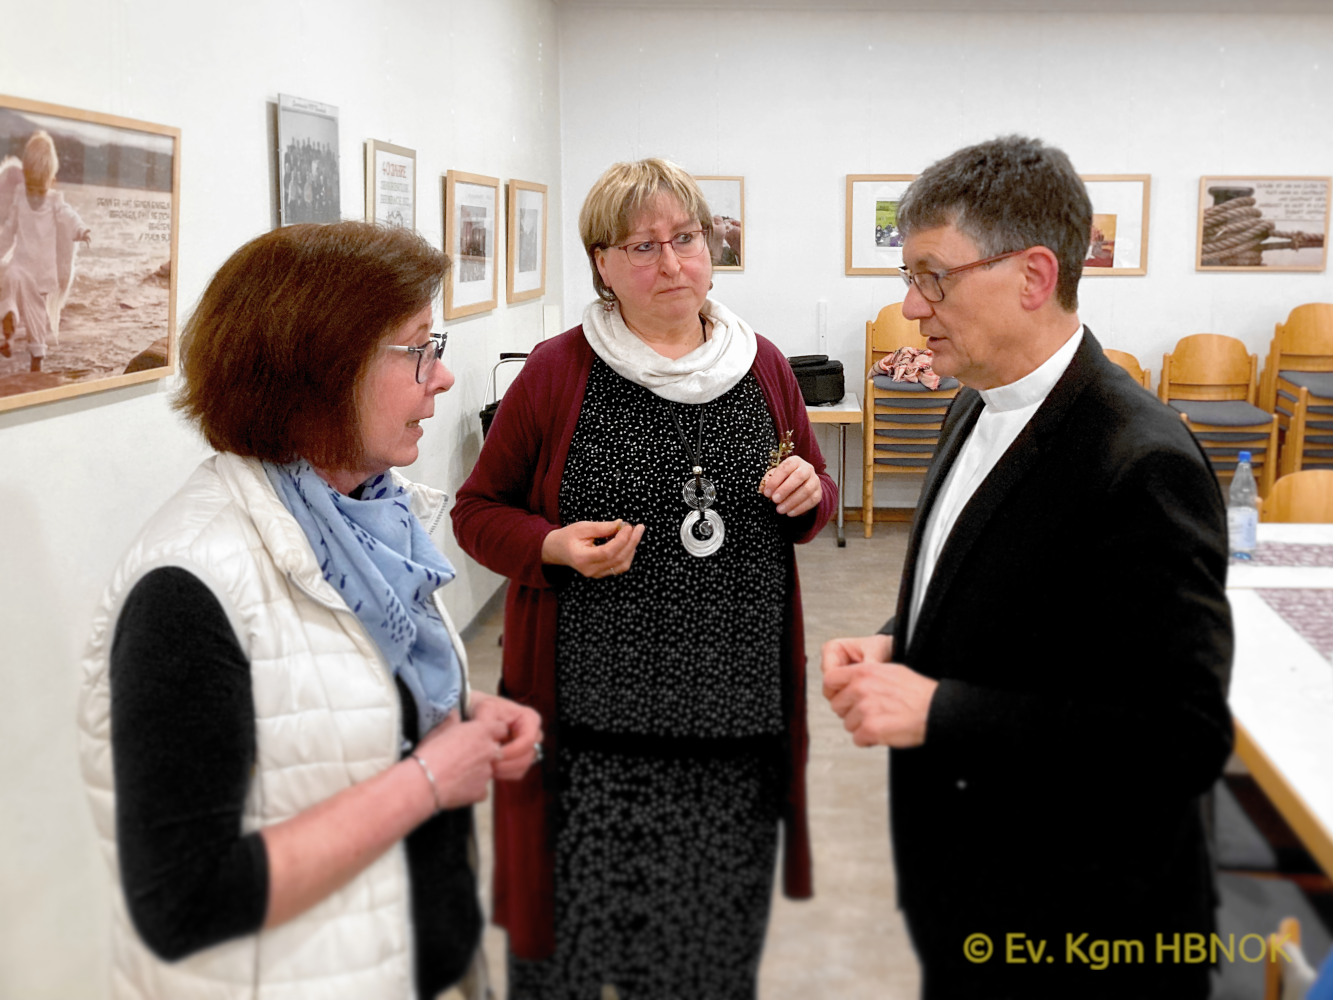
(327, 717)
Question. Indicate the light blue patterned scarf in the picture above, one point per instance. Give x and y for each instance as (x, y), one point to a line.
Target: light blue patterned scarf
(379, 558)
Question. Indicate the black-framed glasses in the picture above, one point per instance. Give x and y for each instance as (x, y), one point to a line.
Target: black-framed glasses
(928, 282)
(427, 354)
(646, 253)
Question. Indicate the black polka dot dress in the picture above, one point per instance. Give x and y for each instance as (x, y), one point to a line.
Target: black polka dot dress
(670, 710)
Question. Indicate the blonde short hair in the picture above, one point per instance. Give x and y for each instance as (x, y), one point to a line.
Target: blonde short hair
(40, 163)
(621, 193)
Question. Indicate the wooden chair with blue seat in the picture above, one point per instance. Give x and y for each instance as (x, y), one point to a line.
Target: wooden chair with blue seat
(901, 422)
(1212, 381)
(1297, 386)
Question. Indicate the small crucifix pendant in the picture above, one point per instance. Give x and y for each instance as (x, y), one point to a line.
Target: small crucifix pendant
(776, 455)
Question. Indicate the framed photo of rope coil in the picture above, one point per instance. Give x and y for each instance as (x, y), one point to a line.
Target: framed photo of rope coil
(1262, 223)
(1119, 241)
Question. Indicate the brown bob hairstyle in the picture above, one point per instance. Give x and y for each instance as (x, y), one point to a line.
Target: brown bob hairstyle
(278, 346)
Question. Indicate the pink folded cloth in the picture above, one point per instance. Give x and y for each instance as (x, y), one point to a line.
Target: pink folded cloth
(908, 364)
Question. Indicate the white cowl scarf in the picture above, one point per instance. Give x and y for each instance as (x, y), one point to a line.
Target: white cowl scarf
(705, 373)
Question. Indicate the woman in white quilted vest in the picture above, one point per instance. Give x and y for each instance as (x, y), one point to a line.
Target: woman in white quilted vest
(278, 738)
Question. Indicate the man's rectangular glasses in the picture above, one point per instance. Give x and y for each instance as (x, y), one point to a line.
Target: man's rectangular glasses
(928, 282)
(427, 354)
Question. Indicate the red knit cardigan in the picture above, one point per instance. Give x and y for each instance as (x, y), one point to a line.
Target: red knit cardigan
(503, 514)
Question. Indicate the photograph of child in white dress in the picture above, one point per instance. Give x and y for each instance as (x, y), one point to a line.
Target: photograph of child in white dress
(85, 251)
(42, 231)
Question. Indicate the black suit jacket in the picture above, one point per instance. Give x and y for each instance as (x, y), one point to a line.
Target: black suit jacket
(1078, 626)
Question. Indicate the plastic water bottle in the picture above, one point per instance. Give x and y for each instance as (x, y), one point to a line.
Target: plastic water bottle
(1242, 510)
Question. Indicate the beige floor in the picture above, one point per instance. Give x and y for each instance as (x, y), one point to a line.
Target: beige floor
(848, 942)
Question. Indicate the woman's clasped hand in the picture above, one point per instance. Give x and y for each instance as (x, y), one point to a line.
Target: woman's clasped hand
(593, 548)
(517, 732)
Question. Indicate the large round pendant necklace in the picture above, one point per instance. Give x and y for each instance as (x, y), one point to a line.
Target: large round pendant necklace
(702, 532)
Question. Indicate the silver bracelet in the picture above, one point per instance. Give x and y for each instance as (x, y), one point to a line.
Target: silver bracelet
(434, 788)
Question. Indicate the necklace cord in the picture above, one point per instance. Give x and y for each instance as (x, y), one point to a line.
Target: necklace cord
(696, 456)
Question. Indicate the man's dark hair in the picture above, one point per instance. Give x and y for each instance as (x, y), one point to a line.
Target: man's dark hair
(281, 340)
(1008, 194)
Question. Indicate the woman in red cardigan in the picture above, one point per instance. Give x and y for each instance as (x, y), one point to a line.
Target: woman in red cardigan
(642, 486)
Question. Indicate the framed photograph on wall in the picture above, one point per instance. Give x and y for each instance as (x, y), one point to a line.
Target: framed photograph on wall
(391, 184)
(1119, 243)
(726, 200)
(873, 243)
(307, 161)
(526, 260)
(88, 299)
(471, 207)
(1262, 224)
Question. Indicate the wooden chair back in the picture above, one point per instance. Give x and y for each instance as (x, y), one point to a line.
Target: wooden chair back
(1304, 343)
(889, 331)
(1300, 498)
(1131, 365)
(1209, 366)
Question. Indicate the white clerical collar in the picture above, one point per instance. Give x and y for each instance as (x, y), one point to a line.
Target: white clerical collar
(1036, 385)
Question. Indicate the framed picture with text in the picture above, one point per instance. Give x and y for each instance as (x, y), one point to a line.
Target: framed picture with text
(471, 226)
(391, 184)
(111, 187)
(874, 245)
(1119, 243)
(526, 257)
(1262, 224)
(726, 200)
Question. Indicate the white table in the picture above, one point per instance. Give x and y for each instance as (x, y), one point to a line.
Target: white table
(845, 411)
(1282, 693)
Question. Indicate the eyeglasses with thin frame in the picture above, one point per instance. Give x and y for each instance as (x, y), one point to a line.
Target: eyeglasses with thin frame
(427, 354)
(646, 253)
(928, 282)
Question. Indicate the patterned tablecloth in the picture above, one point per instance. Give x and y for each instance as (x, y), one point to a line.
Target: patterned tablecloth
(1309, 612)
(1290, 554)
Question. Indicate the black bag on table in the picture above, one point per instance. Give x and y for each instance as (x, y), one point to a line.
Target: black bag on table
(820, 379)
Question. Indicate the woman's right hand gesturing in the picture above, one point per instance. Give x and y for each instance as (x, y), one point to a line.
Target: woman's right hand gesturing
(575, 545)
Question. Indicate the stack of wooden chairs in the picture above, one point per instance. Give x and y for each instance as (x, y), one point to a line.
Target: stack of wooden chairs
(1283, 416)
(1297, 387)
(901, 420)
(1213, 382)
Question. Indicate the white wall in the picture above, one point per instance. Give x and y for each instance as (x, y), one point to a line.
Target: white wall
(470, 86)
(793, 100)
(796, 100)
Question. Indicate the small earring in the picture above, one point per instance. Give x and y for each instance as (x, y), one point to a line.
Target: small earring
(609, 305)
